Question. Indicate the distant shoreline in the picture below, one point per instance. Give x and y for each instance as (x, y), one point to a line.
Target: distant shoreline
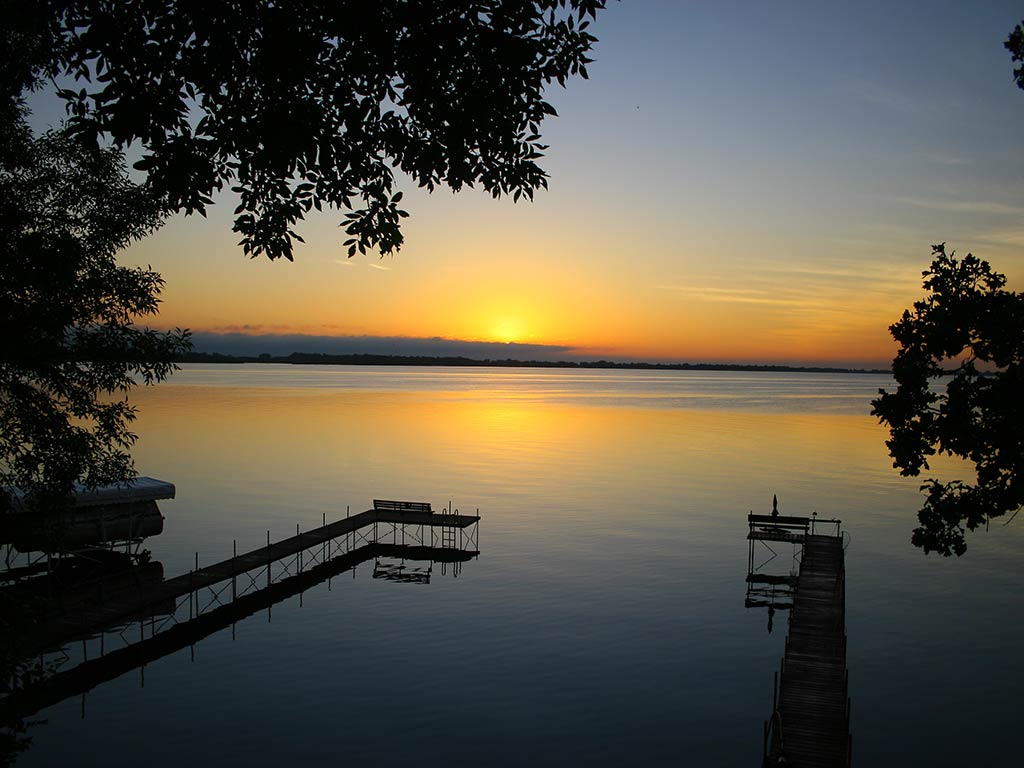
(308, 358)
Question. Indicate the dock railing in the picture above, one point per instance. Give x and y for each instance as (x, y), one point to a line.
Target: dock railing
(235, 587)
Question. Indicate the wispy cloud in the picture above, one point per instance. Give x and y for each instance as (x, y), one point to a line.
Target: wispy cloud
(732, 295)
(378, 266)
(948, 160)
(832, 294)
(989, 207)
(884, 96)
(1003, 238)
(240, 342)
(344, 262)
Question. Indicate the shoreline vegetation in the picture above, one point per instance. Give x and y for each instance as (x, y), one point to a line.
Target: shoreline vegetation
(311, 358)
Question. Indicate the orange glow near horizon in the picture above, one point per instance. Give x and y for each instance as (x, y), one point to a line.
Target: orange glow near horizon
(538, 286)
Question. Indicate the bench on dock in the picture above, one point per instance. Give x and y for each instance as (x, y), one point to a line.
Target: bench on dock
(778, 527)
(383, 505)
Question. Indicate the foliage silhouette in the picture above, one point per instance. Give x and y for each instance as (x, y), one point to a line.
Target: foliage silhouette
(1015, 45)
(70, 349)
(968, 319)
(296, 105)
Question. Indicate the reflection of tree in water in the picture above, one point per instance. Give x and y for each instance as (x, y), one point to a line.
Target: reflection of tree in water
(16, 673)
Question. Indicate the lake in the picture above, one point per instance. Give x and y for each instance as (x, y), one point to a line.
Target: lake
(603, 622)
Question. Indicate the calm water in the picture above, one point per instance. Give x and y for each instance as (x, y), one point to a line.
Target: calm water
(604, 621)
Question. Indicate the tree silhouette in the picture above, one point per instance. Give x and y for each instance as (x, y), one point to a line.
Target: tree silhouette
(298, 104)
(292, 104)
(971, 322)
(1015, 45)
(70, 350)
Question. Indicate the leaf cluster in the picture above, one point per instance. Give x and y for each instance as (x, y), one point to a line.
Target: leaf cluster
(1015, 45)
(299, 104)
(70, 350)
(969, 330)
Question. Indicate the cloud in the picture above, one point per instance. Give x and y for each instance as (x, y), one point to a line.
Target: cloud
(882, 96)
(378, 266)
(1003, 238)
(948, 160)
(962, 206)
(731, 295)
(242, 343)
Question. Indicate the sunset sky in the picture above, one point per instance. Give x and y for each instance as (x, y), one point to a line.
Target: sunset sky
(755, 182)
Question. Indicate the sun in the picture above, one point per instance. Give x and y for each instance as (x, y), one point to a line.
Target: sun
(508, 329)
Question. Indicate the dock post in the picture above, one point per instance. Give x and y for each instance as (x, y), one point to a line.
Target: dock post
(234, 568)
(269, 559)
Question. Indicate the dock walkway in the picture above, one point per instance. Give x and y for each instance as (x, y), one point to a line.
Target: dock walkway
(74, 620)
(811, 723)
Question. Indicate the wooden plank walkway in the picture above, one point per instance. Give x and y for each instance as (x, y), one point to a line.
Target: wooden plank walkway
(73, 621)
(813, 704)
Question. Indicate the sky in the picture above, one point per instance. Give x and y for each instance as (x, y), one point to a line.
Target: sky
(736, 182)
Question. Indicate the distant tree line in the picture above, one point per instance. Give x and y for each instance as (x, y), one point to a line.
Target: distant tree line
(313, 358)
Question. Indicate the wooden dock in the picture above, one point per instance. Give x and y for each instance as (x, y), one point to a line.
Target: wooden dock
(76, 619)
(811, 723)
(149, 647)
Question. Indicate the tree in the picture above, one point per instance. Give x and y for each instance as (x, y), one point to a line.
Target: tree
(297, 104)
(292, 104)
(970, 322)
(70, 349)
(1015, 45)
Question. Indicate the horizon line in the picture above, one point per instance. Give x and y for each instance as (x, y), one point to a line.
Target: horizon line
(366, 358)
(283, 344)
